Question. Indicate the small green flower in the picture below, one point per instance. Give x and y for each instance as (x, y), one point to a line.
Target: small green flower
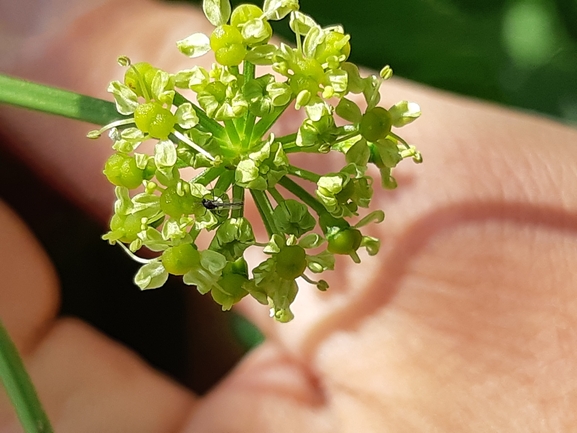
(262, 169)
(293, 218)
(344, 192)
(232, 238)
(264, 94)
(222, 98)
(252, 24)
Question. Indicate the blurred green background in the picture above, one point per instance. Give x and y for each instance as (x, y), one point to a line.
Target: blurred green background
(521, 53)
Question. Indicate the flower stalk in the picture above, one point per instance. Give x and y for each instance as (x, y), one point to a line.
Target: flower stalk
(19, 387)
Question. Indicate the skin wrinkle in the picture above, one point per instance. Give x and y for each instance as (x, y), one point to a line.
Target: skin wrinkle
(502, 388)
(414, 239)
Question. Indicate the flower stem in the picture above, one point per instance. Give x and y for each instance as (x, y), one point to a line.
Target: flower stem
(208, 175)
(237, 196)
(209, 124)
(19, 387)
(276, 195)
(304, 174)
(264, 124)
(265, 210)
(223, 183)
(231, 131)
(303, 194)
(287, 139)
(52, 100)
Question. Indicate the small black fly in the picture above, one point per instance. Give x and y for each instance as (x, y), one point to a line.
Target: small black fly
(215, 204)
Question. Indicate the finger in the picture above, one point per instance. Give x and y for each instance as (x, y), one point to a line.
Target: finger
(468, 316)
(87, 382)
(29, 291)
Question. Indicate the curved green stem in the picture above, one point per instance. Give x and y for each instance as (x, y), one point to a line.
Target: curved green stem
(19, 387)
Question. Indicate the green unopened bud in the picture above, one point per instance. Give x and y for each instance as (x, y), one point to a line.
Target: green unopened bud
(344, 241)
(138, 78)
(180, 259)
(386, 73)
(375, 124)
(229, 290)
(228, 45)
(154, 119)
(293, 217)
(122, 170)
(291, 262)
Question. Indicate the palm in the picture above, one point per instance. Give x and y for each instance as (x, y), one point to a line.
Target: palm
(464, 321)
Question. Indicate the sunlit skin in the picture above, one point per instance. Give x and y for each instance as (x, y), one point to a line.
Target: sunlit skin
(465, 321)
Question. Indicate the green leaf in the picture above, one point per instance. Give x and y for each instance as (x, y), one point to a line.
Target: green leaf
(324, 261)
(151, 275)
(278, 9)
(404, 112)
(217, 11)
(377, 216)
(165, 154)
(126, 99)
(371, 244)
(312, 240)
(195, 45)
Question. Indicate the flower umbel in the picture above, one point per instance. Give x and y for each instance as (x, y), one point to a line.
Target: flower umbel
(225, 137)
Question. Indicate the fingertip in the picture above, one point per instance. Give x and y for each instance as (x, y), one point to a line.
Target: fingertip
(28, 295)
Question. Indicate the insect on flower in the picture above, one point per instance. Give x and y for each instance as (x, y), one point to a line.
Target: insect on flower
(215, 204)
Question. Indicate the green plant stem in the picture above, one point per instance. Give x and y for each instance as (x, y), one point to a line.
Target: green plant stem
(231, 131)
(287, 139)
(208, 175)
(265, 210)
(52, 100)
(207, 123)
(264, 124)
(303, 194)
(304, 174)
(249, 70)
(238, 196)
(19, 387)
(276, 195)
(223, 183)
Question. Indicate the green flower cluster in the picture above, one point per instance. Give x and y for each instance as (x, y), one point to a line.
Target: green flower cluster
(225, 137)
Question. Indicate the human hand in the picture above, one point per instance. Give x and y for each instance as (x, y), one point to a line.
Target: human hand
(466, 320)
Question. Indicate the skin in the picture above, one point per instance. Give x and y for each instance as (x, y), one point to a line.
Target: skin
(465, 321)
